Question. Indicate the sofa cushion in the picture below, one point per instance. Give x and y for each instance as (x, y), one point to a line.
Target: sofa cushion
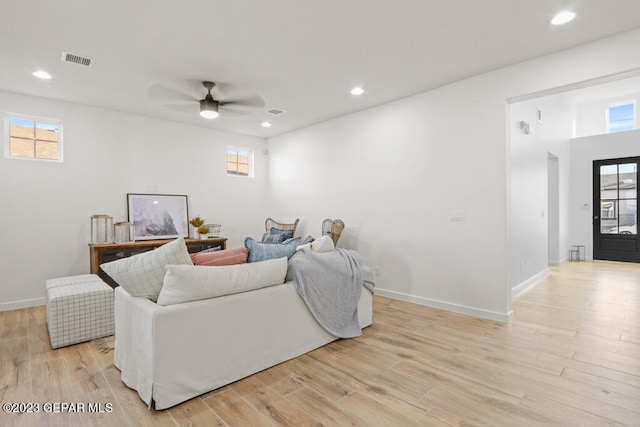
(142, 275)
(322, 244)
(223, 257)
(264, 251)
(286, 233)
(184, 283)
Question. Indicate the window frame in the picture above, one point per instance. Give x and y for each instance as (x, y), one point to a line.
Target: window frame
(35, 119)
(250, 161)
(634, 105)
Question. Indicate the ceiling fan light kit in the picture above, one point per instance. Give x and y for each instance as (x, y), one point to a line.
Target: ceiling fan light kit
(209, 108)
(208, 105)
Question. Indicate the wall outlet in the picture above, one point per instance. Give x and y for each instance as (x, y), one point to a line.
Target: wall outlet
(456, 215)
(377, 270)
(522, 266)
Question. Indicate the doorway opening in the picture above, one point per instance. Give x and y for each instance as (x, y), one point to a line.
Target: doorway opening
(615, 209)
(553, 209)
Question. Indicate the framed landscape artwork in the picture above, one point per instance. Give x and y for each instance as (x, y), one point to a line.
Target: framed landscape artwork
(158, 216)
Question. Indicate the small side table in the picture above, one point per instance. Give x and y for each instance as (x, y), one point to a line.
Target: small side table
(577, 253)
(104, 252)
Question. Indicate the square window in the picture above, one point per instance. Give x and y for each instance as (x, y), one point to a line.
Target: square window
(239, 162)
(33, 138)
(621, 117)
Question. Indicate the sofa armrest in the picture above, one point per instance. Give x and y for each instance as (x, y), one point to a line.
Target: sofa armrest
(133, 353)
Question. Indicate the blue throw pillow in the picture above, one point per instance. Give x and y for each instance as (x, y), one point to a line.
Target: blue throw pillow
(272, 238)
(287, 233)
(264, 251)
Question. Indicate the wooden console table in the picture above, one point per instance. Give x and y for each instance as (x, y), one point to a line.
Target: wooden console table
(104, 252)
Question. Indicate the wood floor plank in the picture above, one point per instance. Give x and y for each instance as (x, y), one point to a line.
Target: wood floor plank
(235, 411)
(195, 412)
(271, 405)
(278, 380)
(362, 406)
(331, 388)
(14, 362)
(563, 415)
(14, 324)
(603, 371)
(324, 410)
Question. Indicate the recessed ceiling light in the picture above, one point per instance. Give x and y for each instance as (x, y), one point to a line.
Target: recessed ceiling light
(357, 91)
(563, 17)
(266, 124)
(42, 75)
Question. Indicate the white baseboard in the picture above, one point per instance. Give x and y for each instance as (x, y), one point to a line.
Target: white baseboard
(557, 263)
(518, 289)
(456, 308)
(25, 303)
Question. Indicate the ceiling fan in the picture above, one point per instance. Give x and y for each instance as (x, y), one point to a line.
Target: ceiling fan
(220, 99)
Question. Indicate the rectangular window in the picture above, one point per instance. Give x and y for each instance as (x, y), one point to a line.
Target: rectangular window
(621, 117)
(239, 162)
(33, 138)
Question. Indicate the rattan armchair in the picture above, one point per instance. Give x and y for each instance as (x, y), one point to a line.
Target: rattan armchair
(271, 223)
(332, 228)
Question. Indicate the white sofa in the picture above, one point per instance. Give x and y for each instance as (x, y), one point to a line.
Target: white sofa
(173, 353)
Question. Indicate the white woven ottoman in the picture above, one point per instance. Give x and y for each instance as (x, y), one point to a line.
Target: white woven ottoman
(79, 308)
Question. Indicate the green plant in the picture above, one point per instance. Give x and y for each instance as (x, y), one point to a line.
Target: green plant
(203, 229)
(196, 222)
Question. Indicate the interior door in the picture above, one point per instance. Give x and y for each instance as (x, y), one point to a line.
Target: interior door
(615, 213)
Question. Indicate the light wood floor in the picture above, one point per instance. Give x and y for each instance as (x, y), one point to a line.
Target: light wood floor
(571, 357)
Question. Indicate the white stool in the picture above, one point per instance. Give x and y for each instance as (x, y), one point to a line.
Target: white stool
(79, 308)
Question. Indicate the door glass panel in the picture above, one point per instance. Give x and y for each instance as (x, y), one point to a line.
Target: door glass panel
(609, 217)
(628, 215)
(609, 182)
(627, 181)
(628, 190)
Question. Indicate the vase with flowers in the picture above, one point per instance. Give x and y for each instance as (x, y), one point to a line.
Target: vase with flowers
(203, 231)
(195, 223)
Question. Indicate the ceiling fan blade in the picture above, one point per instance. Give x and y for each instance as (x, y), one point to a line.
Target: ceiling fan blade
(250, 102)
(190, 108)
(169, 94)
(242, 106)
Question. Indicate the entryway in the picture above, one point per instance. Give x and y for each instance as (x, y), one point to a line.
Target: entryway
(615, 213)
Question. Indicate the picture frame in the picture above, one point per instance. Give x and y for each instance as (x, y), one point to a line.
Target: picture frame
(158, 216)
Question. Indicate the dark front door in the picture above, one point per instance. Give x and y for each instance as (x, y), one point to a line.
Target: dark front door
(615, 212)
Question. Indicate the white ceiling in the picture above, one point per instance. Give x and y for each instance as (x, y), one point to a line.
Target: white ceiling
(299, 56)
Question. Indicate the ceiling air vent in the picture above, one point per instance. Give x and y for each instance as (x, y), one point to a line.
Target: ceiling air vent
(275, 111)
(76, 59)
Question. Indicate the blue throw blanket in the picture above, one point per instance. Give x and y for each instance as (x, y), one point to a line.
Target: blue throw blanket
(330, 284)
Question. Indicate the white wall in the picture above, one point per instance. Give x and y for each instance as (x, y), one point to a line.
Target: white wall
(381, 172)
(530, 193)
(583, 152)
(396, 172)
(45, 208)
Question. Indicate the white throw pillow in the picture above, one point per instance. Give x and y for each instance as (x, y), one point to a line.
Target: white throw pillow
(322, 244)
(142, 275)
(184, 283)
